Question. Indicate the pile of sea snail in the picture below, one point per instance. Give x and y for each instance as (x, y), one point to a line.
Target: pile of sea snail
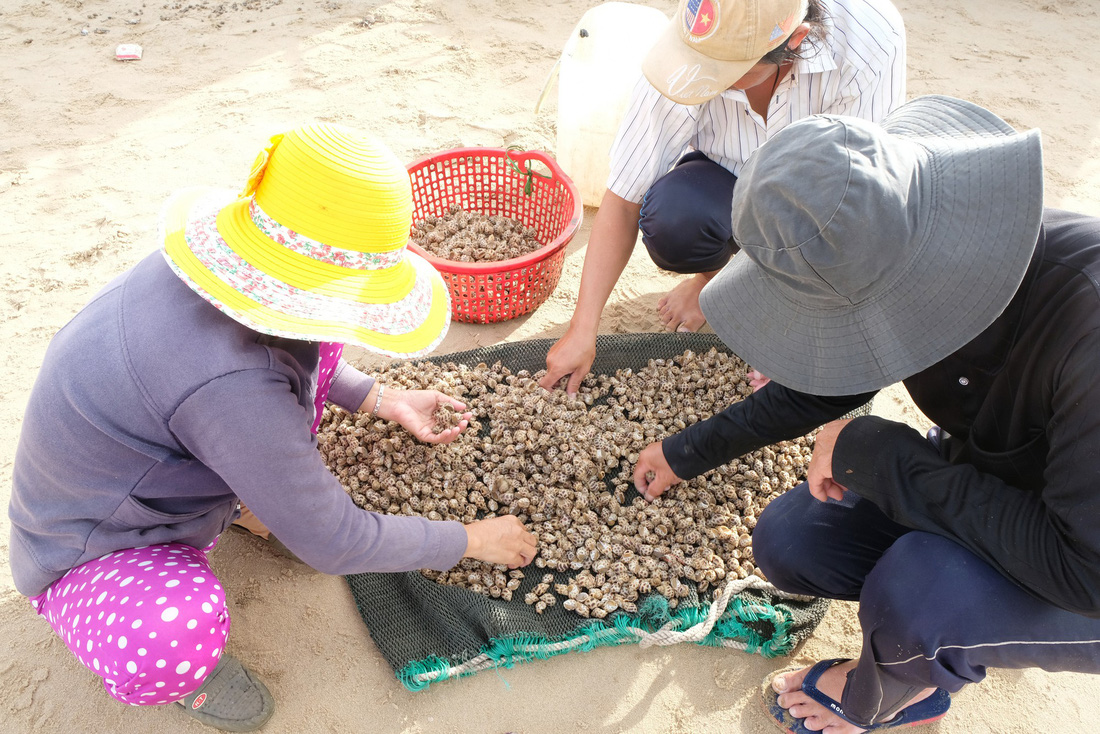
(564, 466)
(462, 236)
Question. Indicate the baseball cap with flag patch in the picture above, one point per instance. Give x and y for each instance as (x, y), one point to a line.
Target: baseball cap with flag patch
(710, 44)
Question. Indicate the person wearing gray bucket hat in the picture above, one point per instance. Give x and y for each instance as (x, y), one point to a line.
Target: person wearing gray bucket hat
(918, 250)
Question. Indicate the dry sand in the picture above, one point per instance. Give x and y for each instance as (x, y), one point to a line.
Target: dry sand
(90, 147)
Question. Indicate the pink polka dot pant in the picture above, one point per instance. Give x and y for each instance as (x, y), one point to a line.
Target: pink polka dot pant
(151, 621)
(330, 358)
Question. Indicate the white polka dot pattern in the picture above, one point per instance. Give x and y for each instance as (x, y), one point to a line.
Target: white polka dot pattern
(174, 599)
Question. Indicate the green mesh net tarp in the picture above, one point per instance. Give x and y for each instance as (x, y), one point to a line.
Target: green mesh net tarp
(429, 632)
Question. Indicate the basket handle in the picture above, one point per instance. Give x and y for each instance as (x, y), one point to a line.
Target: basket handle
(530, 173)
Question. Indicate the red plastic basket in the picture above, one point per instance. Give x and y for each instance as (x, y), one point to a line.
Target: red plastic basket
(527, 186)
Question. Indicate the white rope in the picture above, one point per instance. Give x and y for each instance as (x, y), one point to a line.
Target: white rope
(474, 664)
(669, 636)
(484, 662)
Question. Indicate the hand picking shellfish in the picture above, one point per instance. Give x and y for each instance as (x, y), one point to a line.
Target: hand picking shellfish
(563, 466)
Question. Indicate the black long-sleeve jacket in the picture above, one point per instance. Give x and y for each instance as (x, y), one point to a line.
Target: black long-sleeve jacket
(1018, 480)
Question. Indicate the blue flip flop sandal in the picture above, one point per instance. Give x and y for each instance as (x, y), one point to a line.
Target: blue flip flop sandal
(930, 709)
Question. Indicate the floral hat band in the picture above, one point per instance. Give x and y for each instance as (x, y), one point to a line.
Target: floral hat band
(315, 247)
(299, 243)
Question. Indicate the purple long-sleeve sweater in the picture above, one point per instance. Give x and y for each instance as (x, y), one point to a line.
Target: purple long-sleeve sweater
(154, 413)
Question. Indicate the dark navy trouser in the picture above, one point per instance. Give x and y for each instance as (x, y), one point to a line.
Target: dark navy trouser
(685, 216)
(932, 613)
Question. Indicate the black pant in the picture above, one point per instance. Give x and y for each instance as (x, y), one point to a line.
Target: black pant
(932, 613)
(685, 216)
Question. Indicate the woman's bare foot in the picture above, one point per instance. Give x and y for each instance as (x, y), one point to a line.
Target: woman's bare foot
(679, 309)
(815, 716)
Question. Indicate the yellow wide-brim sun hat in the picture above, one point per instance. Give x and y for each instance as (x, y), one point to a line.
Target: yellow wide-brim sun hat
(315, 246)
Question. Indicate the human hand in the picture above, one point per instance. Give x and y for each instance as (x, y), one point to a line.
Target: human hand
(820, 474)
(501, 539)
(415, 411)
(652, 461)
(757, 380)
(571, 355)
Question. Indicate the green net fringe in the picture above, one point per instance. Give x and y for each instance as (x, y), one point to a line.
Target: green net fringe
(732, 630)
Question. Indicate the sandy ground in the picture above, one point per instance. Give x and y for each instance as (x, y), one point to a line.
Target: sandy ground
(90, 147)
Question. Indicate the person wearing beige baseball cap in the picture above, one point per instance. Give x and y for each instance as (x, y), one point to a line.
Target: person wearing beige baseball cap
(711, 45)
(726, 76)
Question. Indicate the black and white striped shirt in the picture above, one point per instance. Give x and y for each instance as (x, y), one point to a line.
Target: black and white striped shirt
(859, 70)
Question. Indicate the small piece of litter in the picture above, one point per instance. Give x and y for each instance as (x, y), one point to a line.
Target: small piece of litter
(128, 52)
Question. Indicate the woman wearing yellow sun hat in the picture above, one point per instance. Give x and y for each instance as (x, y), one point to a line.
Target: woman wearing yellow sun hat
(190, 384)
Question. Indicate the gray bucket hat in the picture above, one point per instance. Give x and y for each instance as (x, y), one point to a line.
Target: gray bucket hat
(872, 252)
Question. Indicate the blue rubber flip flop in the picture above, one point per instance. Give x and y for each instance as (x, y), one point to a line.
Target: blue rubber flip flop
(930, 709)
